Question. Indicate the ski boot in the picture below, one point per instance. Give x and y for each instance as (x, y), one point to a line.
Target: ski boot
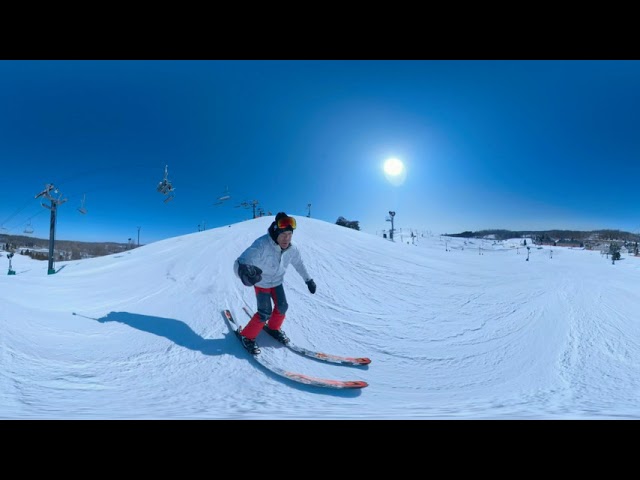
(250, 345)
(277, 334)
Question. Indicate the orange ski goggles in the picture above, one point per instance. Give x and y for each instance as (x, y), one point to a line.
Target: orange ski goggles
(287, 222)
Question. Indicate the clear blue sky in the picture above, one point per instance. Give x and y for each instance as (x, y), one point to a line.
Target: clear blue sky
(486, 144)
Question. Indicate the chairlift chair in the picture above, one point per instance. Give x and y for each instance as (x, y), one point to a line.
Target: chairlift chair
(81, 208)
(225, 196)
(165, 186)
(28, 229)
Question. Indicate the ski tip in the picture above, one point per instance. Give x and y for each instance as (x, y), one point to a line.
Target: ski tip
(356, 384)
(324, 382)
(358, 362)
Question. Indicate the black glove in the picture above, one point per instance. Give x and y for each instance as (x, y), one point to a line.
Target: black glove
(249, 274)
(312, 286)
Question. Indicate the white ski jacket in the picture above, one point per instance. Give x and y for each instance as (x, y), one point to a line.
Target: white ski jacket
(267, 255)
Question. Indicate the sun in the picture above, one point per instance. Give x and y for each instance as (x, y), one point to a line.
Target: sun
(393, 167)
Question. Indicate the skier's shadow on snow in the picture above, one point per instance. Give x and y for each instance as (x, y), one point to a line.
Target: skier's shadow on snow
(181, 334)
(178, 332)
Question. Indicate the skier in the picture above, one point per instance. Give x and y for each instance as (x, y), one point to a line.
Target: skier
(263, 266)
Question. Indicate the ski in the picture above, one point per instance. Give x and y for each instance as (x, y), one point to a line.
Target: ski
(324, 357)
(296, 377)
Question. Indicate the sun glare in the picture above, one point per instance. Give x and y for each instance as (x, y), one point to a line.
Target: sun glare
(393, 167)
(395, 171)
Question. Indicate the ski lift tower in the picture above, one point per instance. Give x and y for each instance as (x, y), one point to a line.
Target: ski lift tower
(46, 193)
(249, 205)
(253, 204)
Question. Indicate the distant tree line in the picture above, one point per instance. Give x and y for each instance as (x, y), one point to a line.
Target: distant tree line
(355, 224)
(540, 235)
(37, 255)
(72, 249)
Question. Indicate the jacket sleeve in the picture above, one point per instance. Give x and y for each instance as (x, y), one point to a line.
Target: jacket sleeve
(251, 256)
(298, 264)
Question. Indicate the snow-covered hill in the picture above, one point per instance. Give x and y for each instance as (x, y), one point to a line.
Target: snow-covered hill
(455, 329)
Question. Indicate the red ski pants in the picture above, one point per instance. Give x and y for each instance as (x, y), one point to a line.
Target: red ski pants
(274, 316)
